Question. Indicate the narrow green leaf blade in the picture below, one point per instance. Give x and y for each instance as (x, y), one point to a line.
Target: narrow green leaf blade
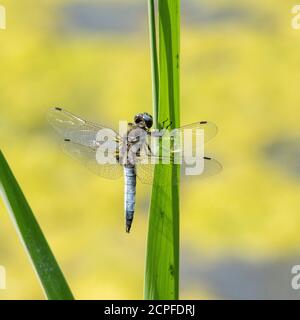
(48, 271)
(162, 257)
(154, 59)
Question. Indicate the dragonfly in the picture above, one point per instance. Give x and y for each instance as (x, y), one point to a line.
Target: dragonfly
(80, 140)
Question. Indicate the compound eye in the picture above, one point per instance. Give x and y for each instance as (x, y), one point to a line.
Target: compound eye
(148, 120)
(138, 118)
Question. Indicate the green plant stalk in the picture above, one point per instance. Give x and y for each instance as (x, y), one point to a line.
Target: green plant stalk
(162, 256)
(154, 60)
(31, 235)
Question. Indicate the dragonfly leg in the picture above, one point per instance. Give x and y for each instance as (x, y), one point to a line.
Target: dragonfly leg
(166, 126)
(169, 125)
(163, 123)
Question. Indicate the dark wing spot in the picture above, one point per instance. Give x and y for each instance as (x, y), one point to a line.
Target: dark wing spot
(207, 158)
(58, 109)
(203, 122)
(67, 140)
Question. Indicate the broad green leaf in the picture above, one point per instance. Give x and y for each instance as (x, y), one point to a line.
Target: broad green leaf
(162, 257)
(47, 269)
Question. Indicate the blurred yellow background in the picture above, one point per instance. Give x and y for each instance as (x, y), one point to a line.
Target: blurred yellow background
(239, 68)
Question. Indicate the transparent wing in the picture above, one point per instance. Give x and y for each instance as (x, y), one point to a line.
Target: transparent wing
(191, 137)
(145, 172)
(211, 168)
(209, 128)
(74, 128)
(87, 156)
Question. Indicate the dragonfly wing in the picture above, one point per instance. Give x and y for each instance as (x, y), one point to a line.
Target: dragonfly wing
(211, 168)
(187, 138)
(145, 171)
(74, 128)
(210, 130)
(87, 156)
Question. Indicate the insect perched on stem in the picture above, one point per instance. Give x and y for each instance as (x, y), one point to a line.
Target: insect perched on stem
(131, 154)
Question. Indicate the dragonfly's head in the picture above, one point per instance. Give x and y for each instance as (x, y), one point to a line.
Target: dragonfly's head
(143, 120)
